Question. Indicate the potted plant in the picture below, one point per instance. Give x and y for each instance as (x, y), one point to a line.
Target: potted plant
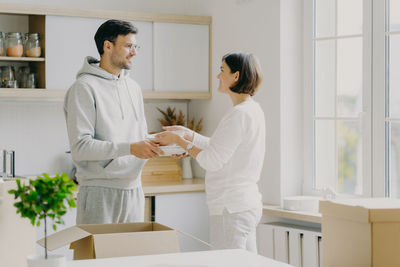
(169, 119)
(42, 198)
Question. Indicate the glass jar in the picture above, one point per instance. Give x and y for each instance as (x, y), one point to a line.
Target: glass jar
(7, 74)
(22, 76)
(31, 82)
(10, 84)
(14, 44)
(1, 44)
(32, 45)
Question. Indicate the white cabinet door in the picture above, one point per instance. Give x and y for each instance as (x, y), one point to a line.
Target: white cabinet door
(69, 221)
(187, 213)
(181, 57)
(70, 39)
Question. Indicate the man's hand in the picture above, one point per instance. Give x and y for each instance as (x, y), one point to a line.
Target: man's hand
(146, 149)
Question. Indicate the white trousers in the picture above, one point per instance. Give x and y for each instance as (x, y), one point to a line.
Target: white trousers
(98, 205)
(235, 230)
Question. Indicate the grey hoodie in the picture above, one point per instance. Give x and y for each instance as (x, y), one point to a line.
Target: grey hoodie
(104, 114)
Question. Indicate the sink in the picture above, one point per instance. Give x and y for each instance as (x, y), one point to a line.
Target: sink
(302, 203)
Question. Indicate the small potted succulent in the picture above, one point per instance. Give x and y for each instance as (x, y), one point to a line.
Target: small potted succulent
(42, 198)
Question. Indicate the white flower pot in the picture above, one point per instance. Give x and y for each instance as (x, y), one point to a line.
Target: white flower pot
(52, 261)
(186, 167)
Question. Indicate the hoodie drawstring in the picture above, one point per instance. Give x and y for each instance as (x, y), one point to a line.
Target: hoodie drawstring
(120, 101)
(130, 96)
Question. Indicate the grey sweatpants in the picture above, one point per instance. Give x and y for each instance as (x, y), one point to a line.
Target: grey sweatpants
(98, 205)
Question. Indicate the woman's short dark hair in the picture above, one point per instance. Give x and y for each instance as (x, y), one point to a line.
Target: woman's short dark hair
(248, 66)
(109, 31)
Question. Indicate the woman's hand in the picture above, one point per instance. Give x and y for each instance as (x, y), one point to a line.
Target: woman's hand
(187, 133)
(167, 138)
(178, 156)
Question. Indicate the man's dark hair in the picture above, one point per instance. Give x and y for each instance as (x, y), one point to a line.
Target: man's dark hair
(110, 30)
(250, 76)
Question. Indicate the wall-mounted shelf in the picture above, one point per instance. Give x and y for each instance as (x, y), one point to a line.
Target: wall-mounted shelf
(56, 94)
(22, 93)
(167, 67)
(23, 59)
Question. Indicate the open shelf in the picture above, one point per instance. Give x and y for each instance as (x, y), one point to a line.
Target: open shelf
(25, 93)
(23, 59)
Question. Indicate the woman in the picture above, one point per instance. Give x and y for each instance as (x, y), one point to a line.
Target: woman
(232, 157)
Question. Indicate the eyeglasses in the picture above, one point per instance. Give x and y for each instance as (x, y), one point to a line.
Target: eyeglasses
(131, 47)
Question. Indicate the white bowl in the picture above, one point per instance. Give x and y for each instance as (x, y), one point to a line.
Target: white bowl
(172, 150)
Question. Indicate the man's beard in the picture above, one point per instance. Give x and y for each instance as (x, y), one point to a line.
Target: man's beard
(122, 65)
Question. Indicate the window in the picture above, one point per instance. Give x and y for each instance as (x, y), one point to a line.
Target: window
(392, 110)
(341, 89)
(353, 86)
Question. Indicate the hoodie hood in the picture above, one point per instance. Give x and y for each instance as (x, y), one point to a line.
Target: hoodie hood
(91, 67)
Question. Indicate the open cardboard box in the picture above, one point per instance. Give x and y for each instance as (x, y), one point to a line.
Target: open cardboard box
(91, 241)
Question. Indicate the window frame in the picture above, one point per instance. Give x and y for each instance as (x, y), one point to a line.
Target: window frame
(369, 115)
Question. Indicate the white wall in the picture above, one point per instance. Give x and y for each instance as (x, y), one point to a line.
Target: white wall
(247, 25)
(251, 26)
(291, 115)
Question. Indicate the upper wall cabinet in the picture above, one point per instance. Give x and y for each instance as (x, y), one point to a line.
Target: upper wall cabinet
(67, 49)
(181, 54)
(173, 61)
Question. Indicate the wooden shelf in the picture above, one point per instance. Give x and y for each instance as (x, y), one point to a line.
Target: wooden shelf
(53, 94)
(175, 95)
(23, 59)
(22, 93)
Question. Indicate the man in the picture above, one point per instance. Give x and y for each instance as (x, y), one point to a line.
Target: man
(107, 130)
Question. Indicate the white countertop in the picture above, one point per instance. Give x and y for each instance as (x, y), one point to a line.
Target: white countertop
(277, 211)
(228, 258)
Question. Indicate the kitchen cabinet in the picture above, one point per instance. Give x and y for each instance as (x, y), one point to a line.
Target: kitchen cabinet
(181, 57)
(25, 24)
(68, 48)
(187, 213)
(69, 221)
(14, 245)
(173, 62)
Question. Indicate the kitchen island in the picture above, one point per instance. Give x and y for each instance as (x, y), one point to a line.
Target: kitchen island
(220, 258)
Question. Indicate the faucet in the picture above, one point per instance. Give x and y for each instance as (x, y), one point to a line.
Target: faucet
(8, 160)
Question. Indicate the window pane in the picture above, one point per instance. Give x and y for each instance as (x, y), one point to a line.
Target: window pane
(325, 19)
(325, 52)
(350, 17)
(325, 154)
(394, 159)
(350, 72)
(349, 157)
(394, 10)
(394, 75)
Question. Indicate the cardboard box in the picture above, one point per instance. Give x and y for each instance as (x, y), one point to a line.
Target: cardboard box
(361, 232)
(91, 241)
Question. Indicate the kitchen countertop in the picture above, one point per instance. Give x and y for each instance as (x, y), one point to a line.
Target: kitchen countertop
(174, 187)
(165, 187)
(277, 211)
